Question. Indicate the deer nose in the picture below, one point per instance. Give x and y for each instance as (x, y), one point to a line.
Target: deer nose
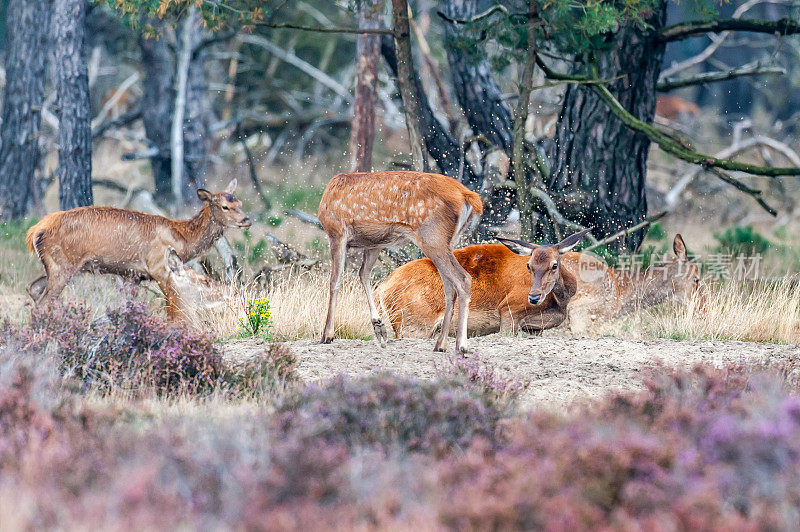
(534, 299)
(246, 222)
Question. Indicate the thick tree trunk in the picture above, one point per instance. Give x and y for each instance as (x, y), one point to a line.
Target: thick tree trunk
(27, 31)
(600, 165)
(438, 142)
(197, 119)
(480, 99)
(157, 100)
(362, 132)
(74, 108)
(405, 82)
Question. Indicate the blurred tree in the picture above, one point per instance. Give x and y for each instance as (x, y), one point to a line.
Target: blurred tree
(362, 134)
(27, 27)
(74, 108)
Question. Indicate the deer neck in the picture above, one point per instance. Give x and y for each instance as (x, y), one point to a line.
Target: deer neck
(199, 233)
(642, 290)
(565, 287)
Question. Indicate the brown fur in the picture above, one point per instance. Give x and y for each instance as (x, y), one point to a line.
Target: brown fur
(674, 107)
(129, 243)
(193, 291)
(585, 291)
(370, 211)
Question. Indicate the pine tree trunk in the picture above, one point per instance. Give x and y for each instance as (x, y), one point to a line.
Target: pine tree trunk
(74, 109)
(405, 82)
(362, 132)
(600, 165)
(157, 100)
(197, 118)
(27, 35)
(481, 100)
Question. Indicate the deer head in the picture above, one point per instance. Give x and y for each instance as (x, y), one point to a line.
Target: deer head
(544, 263)
(677, 279)
(226, 210)
(194, 289)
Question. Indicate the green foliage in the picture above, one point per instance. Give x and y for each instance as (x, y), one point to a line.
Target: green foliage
(742, 240)
(215, 15)
(656, 232)
(253, 251)
(258, 320)
(12, 232)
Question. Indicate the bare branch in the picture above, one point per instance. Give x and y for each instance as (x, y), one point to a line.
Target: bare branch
(476, 18)
(683, 30)
(554, 213)
(321, 29)
(293, 60)
(752, 69)
(625, 232)
(304, 217)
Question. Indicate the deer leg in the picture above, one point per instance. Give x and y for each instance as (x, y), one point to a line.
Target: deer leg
(463, 286)
(338, 256)
(368, 262)
(444, 267)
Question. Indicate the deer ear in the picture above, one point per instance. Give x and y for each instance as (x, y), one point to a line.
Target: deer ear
(572, 240)
(679, 247)
(174, 262)
(204, 195)
(519, 247)
(231, 188)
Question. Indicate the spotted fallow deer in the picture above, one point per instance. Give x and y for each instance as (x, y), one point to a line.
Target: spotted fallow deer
(527, 288)
(370, 211)
(500, 290)
(127, 243)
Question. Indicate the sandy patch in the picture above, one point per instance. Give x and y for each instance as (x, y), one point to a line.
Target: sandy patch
(562, 371)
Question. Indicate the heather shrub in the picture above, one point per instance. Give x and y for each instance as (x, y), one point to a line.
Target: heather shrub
(130, 347)
(708, 449)
(392, 412)
(484, 377)
(261, 374)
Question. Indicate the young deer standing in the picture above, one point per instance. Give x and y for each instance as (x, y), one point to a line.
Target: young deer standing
(370, 211)
(127, 243)
(529, 290)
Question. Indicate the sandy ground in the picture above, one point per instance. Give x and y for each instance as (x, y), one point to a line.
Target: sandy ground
(562, 371)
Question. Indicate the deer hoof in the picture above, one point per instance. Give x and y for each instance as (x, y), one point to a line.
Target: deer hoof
(327, 340)
(464, 352)
(380, 332)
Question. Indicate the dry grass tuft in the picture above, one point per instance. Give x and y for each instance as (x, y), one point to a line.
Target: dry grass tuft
(764, 311)
(298, 302)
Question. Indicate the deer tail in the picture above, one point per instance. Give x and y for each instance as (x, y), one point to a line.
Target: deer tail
(35, 235)
(474, 201)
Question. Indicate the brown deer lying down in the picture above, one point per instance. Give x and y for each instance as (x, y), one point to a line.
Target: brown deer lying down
(510, 291)
(370, 211)
(605, 293)
(128, 243)
(191, 292)
(587, 290)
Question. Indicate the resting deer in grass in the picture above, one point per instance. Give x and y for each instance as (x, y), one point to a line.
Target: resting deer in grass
(370, 211)
(605, 293)
(191, 292)
(127, 243)
(527, 288)
(500, 288)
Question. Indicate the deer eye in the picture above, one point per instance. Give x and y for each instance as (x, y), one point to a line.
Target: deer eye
(528, 266)
(224, 207)
(555, 266)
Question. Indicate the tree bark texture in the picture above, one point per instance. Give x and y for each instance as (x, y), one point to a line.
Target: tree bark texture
(438, 142)
(476, 89)
(362, 131)
(26, 54)
(480, 99)
(197, 119)
(600, 165)
(405, 82)
(74, 108)
(157, 100)
(524, 199)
